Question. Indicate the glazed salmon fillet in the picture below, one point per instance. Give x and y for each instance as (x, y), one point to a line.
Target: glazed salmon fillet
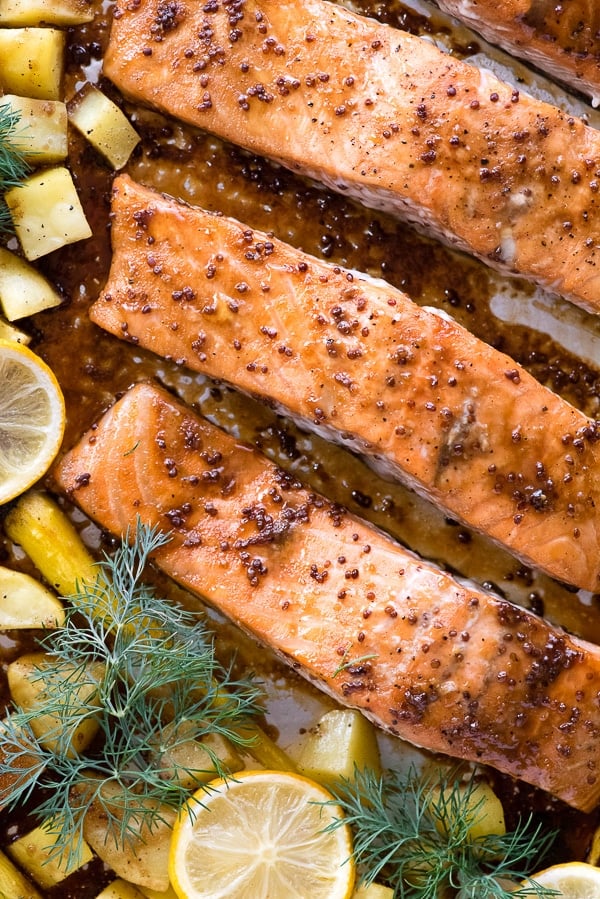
(382, 116)
(416, 394)
(451, 669)
(561, 39)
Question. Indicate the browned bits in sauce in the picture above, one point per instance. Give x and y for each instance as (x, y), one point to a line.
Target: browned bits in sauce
(359, 240)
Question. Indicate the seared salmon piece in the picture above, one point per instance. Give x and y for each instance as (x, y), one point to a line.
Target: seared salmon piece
(356, 360)
(451, 669)
(561, 39)
(382, 116)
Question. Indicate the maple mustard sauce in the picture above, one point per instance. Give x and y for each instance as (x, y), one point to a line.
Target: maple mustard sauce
(94, 367)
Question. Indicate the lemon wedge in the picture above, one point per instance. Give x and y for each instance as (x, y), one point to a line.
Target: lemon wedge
(261, 835)
(573, 880)
(32, 418)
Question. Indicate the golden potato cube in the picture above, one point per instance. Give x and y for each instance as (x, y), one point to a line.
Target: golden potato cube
(32, 62)
(190, 762)
(32, 853)
(342, 741)
(47, 535)
(26, 603)
(14, 884)
(45, 12)
(41, 135)
(158, 894)
(9, 332)
(486, 809)
(28, 692)
(23, 290)
(104, 125)
(144, 859)
(46, 212)
(489, 819)
(120, 889)
(373, 891)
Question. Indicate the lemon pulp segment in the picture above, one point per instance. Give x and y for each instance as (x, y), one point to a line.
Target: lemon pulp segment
(261, 835)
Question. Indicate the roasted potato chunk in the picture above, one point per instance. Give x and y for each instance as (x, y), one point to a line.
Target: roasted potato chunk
(46, 212)
(32, 62)
(104, 125)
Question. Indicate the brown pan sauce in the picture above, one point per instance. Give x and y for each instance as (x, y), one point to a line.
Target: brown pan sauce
(93, 367)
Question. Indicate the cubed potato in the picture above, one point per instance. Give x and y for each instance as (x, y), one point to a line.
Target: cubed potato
(488, 814)
(158, 894)
(9, 332)
(105, 126)
(47, 535)
(23, 290)
(120, 889)
(28, 692)
(373, 891)
(13, 883)
(143, 860)
(45, 12)
(46, 212)
(342, 741)
(190, 762)
(32, 852)
(32, 62)
(41, 135)
(25, 603)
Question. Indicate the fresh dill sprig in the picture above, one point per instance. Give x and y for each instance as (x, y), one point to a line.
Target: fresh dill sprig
(13, 166)
(413, 833)
(146, 671)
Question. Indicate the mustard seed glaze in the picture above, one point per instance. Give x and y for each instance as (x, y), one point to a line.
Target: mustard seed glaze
(93, 367)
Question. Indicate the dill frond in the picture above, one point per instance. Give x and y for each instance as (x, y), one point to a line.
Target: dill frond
(156, 683)
(13, 167)
(413, 833)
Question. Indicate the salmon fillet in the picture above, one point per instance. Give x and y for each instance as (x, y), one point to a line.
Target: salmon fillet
(561, 39)
(381, 116)
(356, 360)
(451, 669)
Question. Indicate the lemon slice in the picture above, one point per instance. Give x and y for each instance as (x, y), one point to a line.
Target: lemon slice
(261, 835)
(32, 418)
(574, 880)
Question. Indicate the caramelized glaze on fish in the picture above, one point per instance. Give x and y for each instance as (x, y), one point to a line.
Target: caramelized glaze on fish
(562, 39)
(382, 116)
(417, 394)
(452, 669)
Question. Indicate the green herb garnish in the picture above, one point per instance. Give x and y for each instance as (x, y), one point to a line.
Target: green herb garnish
(154, 680)
(413, 833)
(13, 167)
